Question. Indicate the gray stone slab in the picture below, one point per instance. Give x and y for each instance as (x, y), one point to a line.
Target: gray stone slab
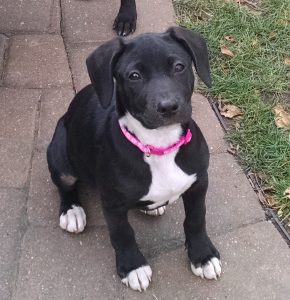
(77, 57)
(14, 162)
(231, 201)
(54, 104)
(12, 214)
(58, 265)
(87, 21)
(207, 121)
(96, 19)
(255, 262)
(43, 200)
(3, 47)
(37, 61)
(154, 15)
(25, 16)
(18, 112)
(17, 121)
(55, 18)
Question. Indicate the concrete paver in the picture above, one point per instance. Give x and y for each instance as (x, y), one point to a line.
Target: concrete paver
(58, 265)
(94, 23)
(25, 16)
(53, 105)
(14, 123)
(14, 163)
(148, 20)
(37, 61)
(12, 204)
(55, 18)
(249, 269)
(77, 57)
(16, 135)
(209, 125)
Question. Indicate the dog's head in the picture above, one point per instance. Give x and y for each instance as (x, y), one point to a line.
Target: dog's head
(153, 75)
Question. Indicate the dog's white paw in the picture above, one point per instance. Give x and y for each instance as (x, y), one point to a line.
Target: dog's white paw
(210, 270)
(74, 220)
(155, 212)
(138, 279)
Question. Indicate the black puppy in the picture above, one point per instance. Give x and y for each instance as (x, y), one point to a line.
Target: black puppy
(125, 22)
(131, 134)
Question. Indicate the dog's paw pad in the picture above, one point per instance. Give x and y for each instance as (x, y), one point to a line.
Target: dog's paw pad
(155, 212)
(138, 279)
(74, 220)
(210, 270)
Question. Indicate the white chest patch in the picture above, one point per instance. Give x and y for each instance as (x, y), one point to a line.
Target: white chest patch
(168, 180)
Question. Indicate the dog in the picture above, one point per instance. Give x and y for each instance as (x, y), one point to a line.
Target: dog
(130, 133)
(125, 22)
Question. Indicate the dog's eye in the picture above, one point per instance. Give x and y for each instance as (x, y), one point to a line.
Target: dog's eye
(179, 68)
(134, 76)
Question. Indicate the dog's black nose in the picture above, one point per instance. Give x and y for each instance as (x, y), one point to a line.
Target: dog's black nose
(167, 107)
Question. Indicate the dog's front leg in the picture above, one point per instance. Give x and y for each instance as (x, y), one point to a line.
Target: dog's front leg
(125, 22)
(203, 255)
(132, 266)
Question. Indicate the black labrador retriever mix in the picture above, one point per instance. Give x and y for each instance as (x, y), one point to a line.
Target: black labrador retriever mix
(131, 134)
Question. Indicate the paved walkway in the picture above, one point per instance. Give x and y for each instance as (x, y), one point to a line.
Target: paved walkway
(42, 50)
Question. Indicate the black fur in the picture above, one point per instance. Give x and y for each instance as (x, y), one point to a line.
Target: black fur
(88, 143)
(125, 22)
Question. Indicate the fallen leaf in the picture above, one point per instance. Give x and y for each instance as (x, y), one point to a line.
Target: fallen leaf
(287, 61)
(230, 38)
(287, 193)
(255, 43)
(231, 111)
(272, 35)
(247, 2)
(226, 51)
(282, 117)
(270, 201)
(233, 149)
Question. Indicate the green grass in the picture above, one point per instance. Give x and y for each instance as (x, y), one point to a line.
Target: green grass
(244, 80)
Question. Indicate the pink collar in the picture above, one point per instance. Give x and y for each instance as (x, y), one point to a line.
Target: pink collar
(149, 149)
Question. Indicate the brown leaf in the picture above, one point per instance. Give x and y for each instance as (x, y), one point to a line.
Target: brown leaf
(282, 117)
(231, 111)
(226, 51)
(230, 38)
(287, 61)
(287, 193)
(233, 149)
(272, 35)
(270, 201)
(255, 43)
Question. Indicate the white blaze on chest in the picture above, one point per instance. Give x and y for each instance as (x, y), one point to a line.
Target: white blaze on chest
(168, 180)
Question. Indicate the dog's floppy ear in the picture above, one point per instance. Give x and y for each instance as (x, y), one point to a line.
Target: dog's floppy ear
(100, 65)
(195, 45)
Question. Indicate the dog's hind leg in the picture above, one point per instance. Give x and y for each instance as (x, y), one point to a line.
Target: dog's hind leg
(72, 217)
